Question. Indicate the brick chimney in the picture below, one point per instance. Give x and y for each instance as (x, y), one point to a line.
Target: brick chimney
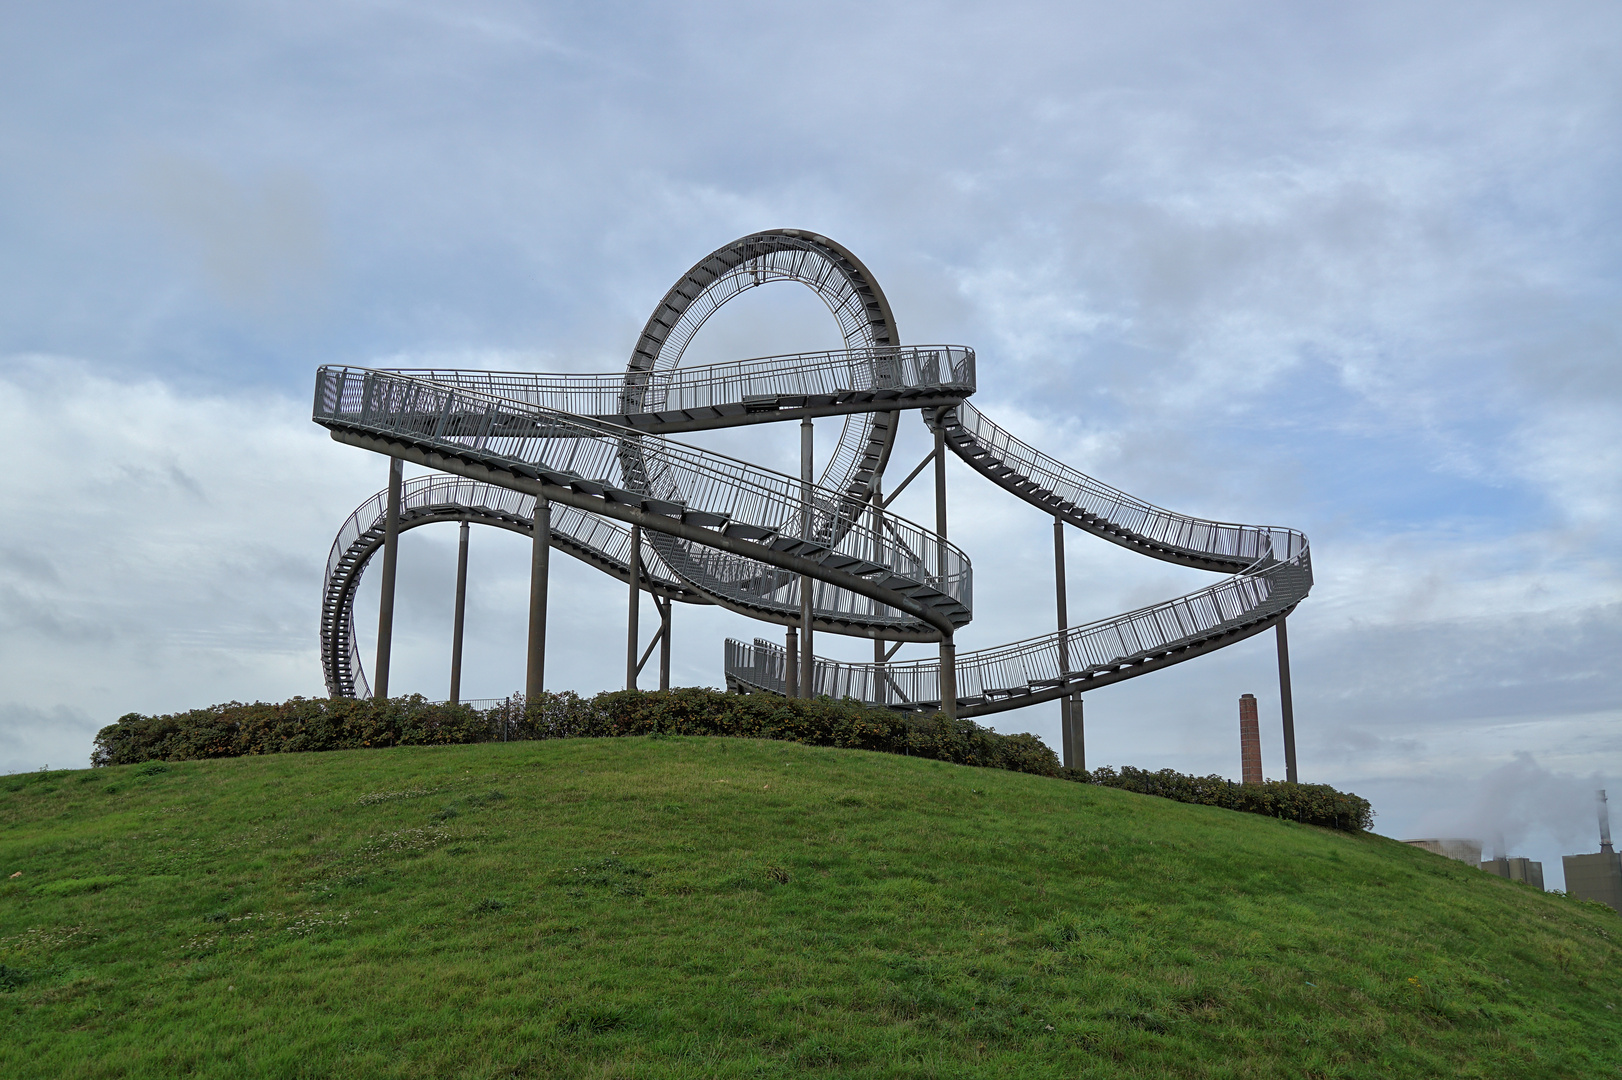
(1250, 741)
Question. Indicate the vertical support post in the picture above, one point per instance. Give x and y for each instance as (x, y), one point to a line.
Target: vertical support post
(664, 644)
(881, 690)
(791, 663)
(807, 588)
(1076, 727)
(540, 568)
(461, 613)
(948, 677)
(1286, 703)
(633, 615)
(391, 559)
(1061, 600)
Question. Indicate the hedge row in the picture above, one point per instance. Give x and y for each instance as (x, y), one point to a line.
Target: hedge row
(306, 724)
(1314, 804)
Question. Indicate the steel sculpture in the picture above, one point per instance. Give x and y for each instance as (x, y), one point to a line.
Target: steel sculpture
(692, 526)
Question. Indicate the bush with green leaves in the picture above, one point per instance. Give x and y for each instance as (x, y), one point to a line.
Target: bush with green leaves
(1313, 804)
(305, 724)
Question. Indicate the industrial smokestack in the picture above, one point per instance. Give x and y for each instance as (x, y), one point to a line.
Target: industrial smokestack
(1250, 741)
(1604, 821)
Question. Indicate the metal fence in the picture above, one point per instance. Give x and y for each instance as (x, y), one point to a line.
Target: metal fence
(667, 477)
(1242, 544)
(1048, 660)
(825, 374)
(444, 496)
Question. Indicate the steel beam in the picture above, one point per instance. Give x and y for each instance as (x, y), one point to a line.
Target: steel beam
(540, 568)
(948, 674)
(461, 612)
(664, 642)
(807, 589)
(634, 615)
(391, 559)
(1060, 594)
(1286, 703)
(791, 663)
(1075, 734)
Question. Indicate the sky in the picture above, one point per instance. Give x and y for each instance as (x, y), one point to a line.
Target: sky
(1353, 270)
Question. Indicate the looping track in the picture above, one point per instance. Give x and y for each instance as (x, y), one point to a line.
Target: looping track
(722, 531)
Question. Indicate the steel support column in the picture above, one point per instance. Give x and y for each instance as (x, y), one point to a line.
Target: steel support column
(461, 612)
(540, 568)
(807, 588)
(948, 679)
(1060, 593)
(948, 649)
(391, 559)
(879, 688)
(664, 643)
(1075, 734)
(791, 663)
(1286, 703)
(633, 615)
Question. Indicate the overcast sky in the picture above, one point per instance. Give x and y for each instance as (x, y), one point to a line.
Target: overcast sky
(1355, 271)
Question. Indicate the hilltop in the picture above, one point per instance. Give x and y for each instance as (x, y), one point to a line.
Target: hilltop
(707, 907)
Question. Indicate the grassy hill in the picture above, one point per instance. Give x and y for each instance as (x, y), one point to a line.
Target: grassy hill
(688, 907)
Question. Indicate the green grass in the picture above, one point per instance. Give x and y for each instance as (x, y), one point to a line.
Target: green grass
(687, 907)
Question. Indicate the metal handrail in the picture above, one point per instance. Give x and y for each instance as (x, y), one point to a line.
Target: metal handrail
(1074, 656)
(589, 454)
(1276, 575)
(734, 383)
(445, 497)
(1127, 518)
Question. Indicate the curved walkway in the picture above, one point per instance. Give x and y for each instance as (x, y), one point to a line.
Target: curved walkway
(719, 530)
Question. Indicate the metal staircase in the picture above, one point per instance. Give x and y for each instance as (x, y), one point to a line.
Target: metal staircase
(426, 500)
(1274, 573)
(897, 580)
(719, 530)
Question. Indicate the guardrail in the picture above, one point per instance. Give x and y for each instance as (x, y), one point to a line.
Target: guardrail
(828, 374)
(698, 486)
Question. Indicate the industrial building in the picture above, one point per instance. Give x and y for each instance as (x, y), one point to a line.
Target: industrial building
(1520, 870)
(1595, 877)
(1599, 876)
(1465, 851)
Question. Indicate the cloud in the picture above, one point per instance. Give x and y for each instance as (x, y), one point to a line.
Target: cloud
(50, 738)
(1352, 271)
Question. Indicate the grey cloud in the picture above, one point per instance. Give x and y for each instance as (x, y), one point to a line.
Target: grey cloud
(1349, 270)
(35, 738)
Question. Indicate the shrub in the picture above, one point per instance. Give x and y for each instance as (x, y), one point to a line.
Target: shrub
(1312, 804)
(304, 724)
(235, 729)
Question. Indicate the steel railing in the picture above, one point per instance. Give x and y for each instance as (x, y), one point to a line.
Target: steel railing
(439, 496)
(673, 479)
(1108, 506)
(1007, 672)
(827, 374)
